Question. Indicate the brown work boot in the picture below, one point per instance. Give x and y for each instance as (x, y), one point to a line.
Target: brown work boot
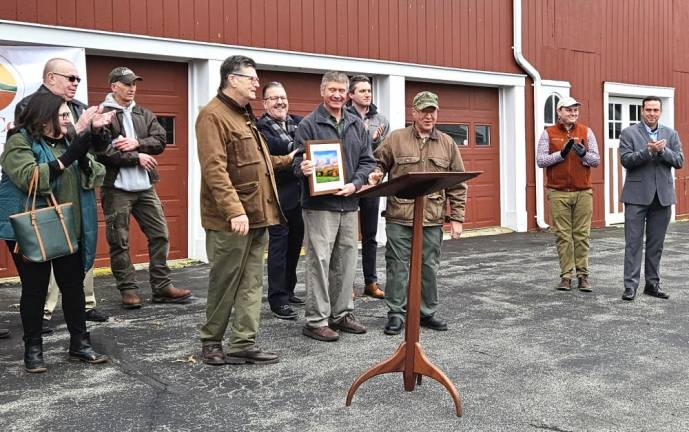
(323, 334)
(348, 325)
(252, 355)
(584, 284)
(131, 299)
(213, 354)
(171, 294)
(565, 284)
(373, 290)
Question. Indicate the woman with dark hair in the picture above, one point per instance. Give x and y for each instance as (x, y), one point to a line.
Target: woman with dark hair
(44, 138)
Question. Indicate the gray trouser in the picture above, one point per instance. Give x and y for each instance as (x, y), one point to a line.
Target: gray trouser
(145, 206)
(235, 281)
(397, 255)
(330, 240)
(653, 219)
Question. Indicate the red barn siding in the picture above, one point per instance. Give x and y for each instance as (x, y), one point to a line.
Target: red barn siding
(589, 42)
(473, 34)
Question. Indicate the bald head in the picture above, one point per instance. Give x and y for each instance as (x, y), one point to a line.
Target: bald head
(61, 77)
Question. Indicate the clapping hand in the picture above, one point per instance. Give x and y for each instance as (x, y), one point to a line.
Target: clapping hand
(579, 149)
(567, 148)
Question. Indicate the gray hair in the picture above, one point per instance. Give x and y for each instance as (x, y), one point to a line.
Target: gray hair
(334, 76)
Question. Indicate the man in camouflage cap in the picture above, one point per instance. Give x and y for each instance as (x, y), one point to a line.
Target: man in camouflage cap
(419, 147)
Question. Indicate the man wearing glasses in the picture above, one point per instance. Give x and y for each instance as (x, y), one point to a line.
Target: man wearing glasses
(239, 200)
(284, 244)
(60, 77)
(419, 147)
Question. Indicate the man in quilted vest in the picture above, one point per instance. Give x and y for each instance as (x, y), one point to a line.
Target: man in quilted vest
(568, 150)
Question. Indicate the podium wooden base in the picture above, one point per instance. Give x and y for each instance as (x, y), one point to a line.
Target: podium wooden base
(409, 357)
(413, 364)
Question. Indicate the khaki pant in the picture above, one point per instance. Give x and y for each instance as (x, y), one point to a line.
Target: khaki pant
(54, 292)
(330, 239)
(235, 281)
(571, 213)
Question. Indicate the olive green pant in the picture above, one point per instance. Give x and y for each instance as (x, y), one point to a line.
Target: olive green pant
(397, 255)
(235, 281)
(571, 212)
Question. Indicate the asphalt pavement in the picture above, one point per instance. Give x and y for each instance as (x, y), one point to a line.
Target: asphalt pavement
(523, 356)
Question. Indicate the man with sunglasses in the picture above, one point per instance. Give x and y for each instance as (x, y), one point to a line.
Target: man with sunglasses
(61, 77)
(284, 240)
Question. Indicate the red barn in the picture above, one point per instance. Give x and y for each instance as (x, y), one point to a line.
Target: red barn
(498, 66)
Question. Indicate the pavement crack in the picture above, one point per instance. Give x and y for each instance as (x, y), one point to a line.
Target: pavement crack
(549, 427)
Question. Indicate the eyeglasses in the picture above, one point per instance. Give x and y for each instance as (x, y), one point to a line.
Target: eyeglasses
(276, 98)
(70, 78)
(64, 115)
(254, 79)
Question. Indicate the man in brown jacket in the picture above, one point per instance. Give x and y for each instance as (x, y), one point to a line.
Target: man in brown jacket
(239, 201)
(419, 147)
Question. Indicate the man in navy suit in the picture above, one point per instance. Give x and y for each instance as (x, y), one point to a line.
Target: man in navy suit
(285, 241)
(649, 151)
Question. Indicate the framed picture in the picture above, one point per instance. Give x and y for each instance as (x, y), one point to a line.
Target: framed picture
(328, 166)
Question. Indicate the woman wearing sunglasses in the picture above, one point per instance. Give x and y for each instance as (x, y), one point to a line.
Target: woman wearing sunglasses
(44, 137)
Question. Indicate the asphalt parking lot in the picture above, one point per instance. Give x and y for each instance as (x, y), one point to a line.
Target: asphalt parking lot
(523, 356)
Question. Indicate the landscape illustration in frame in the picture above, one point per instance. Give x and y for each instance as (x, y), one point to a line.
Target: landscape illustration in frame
(328, 166)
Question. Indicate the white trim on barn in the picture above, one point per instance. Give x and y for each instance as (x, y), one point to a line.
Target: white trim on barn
(205, 58)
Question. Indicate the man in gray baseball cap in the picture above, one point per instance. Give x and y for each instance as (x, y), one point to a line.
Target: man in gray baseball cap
(124, 75)
(422, 147)
(129, 190)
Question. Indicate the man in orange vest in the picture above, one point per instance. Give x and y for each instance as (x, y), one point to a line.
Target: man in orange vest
(568, 150)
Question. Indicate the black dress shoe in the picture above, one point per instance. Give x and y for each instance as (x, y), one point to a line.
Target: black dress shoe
(295, 300)
(284, 312)
(95, 315)
(654, 290)
(629, 294)
(394, 325)
(4, 333)
(46, 329)
(433, 323)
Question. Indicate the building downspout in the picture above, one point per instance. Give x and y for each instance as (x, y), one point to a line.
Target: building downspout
(538, 119)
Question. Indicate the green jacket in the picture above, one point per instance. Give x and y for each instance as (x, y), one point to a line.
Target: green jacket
(18, 160)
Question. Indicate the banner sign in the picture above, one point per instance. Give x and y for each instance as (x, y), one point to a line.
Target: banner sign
(21, 73)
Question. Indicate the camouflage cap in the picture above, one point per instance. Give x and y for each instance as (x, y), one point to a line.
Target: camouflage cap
(425, 99)
(123, 74)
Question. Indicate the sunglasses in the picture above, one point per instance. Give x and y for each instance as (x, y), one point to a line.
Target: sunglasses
(70, 78)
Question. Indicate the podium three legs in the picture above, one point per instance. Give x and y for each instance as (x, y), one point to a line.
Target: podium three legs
(409, 358)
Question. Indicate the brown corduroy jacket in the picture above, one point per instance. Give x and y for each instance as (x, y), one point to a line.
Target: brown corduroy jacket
(236, 167)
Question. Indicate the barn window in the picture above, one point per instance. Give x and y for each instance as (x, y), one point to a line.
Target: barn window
(550, 112)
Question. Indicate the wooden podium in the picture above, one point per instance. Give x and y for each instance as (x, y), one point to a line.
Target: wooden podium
(409, 357)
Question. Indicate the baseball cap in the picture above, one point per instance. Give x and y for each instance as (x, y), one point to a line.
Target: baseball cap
(425, 99)
(123, 74)
(567, 102)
